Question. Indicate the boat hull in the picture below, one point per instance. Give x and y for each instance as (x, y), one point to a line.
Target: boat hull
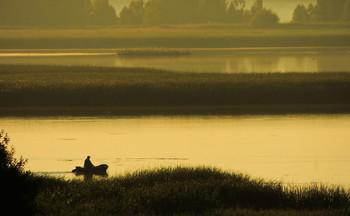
(97, 170)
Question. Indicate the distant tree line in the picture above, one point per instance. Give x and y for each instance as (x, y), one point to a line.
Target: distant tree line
(155, 12)
(323, 11)
(56, 12)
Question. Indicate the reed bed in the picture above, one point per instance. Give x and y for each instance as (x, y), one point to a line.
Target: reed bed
(187, 36)
(186, 191)
(94, 87)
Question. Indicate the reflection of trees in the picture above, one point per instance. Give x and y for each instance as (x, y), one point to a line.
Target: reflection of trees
(246, 63)
(262, 63)
(218, 61)
(236, 65)
(335, 63)
(297, 63)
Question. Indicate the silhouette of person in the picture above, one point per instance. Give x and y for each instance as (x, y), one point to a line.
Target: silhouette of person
(87, 164)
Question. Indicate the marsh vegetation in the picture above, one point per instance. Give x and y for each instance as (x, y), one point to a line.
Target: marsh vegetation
(178, 36)
(186, 190)
(64, 86)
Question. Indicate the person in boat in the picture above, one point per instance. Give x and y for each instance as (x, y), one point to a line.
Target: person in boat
(87, 164)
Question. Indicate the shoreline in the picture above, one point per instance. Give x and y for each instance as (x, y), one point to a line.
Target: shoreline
(186, 191)
(101, 91)
(178, 36)
(239, 110)
(184, 42)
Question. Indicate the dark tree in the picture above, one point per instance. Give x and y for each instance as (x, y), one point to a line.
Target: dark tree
(18, 190)
(346, 14)
(132, 15)
(301, 14)
(312, 13)
(265, 18)
(257, 6)
(236, 11)
(212, 11)
(187, 11)
(7, 158)
(329, 10)
(171, 11)
(103, 13)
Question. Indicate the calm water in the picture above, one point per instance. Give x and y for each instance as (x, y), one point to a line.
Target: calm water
(294, 149)
(247, 60)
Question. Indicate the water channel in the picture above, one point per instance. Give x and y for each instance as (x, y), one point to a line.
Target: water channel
(293, 149)
(240, 60)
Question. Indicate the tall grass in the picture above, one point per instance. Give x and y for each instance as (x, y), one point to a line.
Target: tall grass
(64, 86)
(184, 190)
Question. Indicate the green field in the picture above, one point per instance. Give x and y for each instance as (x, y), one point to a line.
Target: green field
(96, 90)
(183, 36)
(186, 191)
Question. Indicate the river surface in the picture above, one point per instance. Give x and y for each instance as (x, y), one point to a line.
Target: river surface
(240, 60)
(295, 149)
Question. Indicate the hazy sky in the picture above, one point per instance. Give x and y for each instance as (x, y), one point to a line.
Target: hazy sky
(284, 8)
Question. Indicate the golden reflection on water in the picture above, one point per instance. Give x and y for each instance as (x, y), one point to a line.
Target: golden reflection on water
(247, 60)
(295, 149)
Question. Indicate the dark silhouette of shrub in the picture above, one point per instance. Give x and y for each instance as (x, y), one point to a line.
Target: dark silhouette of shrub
(329, 10)
(103, 13)
(346, 14)
(7, 159)
(132, 15)
(301, 14)
(264, 18)
(18, 187)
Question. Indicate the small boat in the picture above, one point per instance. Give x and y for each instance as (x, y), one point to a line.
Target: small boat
(96, 170)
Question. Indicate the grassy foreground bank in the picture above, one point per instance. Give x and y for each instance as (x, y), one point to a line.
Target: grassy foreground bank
(186, 191)
(149, 91)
